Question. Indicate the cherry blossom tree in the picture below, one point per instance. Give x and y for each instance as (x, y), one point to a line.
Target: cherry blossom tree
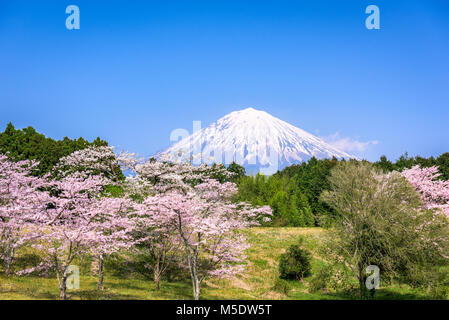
(434, 192)
(155, 238)
(209, 229)
(94, 160)
(78, 221)
(115, 228)
(163, 175)
(156, 233)
(181, 205)
(97, 161)
(185, 199)
(19, 202)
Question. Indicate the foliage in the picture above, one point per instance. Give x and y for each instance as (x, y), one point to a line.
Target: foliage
(320, 280)
(406, 162)
(91, 161)
(311, 180)
(382, 223)
(237, 170)
(141, 261)
(27, 144)
(76, 221)
(19, 202)
(290, 206)
(333, 278)
(182, 206)
(295, 263)
(434, 192)
(294, 193)
(282, 286)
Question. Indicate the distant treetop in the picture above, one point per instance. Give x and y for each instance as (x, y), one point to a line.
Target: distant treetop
(28, 144)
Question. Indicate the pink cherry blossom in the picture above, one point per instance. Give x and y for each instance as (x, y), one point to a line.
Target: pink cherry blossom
(183, 200)
(434, 192)
(19, 204)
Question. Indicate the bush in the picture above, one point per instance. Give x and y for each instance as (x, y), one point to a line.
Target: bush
(320, 281)
(282, 286)
(439, 292)
(334, 278)
(295, 263)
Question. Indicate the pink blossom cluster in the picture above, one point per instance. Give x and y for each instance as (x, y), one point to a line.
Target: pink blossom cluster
(434, 192)
(19, 204)
(184, 201)
(93, 160)
(65, 217)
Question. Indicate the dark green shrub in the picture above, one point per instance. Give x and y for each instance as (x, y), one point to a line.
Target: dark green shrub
(295, 263)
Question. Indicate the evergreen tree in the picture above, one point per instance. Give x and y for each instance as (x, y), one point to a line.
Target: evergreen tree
(28, 144)
(443, 165)
(384, 164)
(238, 170)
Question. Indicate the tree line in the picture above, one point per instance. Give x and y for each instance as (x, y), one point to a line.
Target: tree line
(28, 144)
(293, 193)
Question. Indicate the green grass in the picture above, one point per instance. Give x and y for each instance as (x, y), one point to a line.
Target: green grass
(257, 282)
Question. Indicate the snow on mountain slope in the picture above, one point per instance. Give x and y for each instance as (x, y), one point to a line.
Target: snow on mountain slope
(254, 139)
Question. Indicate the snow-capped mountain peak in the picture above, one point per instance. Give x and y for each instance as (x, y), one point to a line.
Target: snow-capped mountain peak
(254, 139)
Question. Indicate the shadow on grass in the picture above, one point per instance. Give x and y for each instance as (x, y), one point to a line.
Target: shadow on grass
(39, 288)
(128, 285)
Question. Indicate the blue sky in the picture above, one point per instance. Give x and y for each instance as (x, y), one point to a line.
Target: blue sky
(136, 70)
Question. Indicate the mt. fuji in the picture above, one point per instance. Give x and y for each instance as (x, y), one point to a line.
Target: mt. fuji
(254, 139)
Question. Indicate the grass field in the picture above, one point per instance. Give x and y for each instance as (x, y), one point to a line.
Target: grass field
(257, 282)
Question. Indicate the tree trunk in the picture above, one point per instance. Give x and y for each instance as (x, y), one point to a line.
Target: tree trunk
(100, 272)
(63, 287)
(157, 274)
(193, 260)
(195, 283)
(8, 261)
(362, 282)
(196, 288)
(157, 280)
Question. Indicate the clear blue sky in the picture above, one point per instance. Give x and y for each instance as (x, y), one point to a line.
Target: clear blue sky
(136, 70)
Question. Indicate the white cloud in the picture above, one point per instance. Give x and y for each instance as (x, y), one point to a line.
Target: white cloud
(348, 144)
